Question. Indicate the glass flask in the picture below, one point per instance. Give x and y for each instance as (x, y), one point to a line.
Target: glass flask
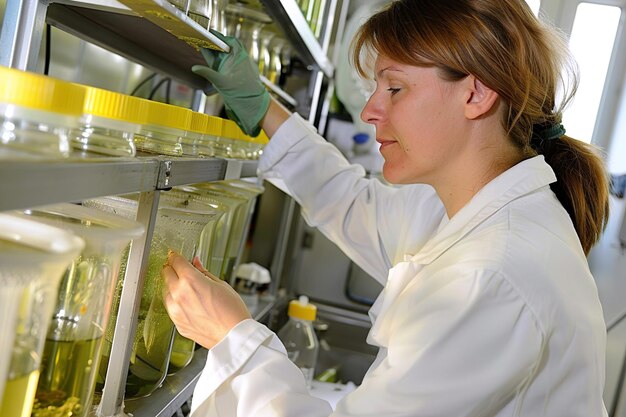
(200, 11)
(165, 130)
(36, 114)
(275, 68)
(33, 258)
(108, 123)
(264, 51)
(75, 334)
(174, 229)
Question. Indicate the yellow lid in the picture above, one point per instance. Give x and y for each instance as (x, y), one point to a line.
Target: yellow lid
(261, 139)
(167, 115)
(199, 122)
(230, 129)
(104, 103)
(302, 309)
(214, 126)
(40, 92)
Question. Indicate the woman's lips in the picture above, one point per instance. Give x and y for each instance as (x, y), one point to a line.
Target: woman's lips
(384, 142)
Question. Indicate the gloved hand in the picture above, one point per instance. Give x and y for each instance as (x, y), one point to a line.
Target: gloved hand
(236, 77)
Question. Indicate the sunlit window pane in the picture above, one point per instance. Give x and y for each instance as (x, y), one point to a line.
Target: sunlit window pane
(534, 6)
(591, 42)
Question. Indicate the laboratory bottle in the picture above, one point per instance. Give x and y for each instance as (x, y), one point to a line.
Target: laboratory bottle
(192, 140)
(33, 259)
(82, 307)
(36, 114)
(299, 337)
(108, 123)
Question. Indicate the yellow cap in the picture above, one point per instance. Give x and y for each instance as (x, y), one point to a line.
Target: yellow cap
(167, 115)
(104, 103)
(261, 139)
(230, 129)
(40, 92)
(199, 122)
(214, 126)
(302, 309)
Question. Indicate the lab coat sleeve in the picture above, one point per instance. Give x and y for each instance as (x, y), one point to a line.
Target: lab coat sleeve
(372, 223)
(248, 374)
(467, 345)
(462, 348)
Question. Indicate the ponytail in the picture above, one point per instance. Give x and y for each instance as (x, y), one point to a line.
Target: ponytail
(582, 185)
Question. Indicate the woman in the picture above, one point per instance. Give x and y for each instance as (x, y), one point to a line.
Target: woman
(489, 308)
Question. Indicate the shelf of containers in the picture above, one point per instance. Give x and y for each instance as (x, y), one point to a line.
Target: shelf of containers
(117, 28)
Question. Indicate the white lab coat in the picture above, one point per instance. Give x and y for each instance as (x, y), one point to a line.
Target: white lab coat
(492, 313)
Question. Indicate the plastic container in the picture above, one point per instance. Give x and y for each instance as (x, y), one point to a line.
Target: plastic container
(165, 130)
(299, 337)
(249, 193)
(83, 306)
(192, 141)
(36, 114)
(109, 123)
(210, 136)
(226, 245)
(33, 258)
(175, 229)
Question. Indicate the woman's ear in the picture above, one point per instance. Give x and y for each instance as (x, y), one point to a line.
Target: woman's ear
(480, 99)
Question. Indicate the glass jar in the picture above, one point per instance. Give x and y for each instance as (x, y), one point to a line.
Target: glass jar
(275, 68)
(33, 258)
(218, 16)
(246, 24)
(36, 114)
(75, 334)
(109, 123)
(165, 130)
(177, 230)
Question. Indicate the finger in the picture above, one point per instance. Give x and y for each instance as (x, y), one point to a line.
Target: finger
(180, 264)
(198, 265)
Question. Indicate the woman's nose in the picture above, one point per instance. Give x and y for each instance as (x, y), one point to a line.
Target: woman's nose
(371, 113)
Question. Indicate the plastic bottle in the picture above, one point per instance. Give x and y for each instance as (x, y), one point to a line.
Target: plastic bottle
(299, 337)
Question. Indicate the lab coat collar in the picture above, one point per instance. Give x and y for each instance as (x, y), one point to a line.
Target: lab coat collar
(521, 179)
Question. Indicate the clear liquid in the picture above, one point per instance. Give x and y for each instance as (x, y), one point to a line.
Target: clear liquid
(67, 378)
(18, 395)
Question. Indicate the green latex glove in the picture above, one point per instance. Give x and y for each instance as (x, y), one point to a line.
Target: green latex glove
(236, 77)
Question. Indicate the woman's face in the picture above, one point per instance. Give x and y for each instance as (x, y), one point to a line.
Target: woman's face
(419, 122)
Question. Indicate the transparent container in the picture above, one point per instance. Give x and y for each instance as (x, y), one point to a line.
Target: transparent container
(193, 137)
(218, 16)
(177, 230)
(83, 306)
(275, 69)
(248, 192)
(299, 337)
(36, 114)
(109, 123)
(183, 348)
(246, 23)
(33, 258)
(238, 210)
(165, 130)
(200, 11)
(210, 136)
(231, 142)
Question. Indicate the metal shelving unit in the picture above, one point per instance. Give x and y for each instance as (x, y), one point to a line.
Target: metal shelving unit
(122, 30)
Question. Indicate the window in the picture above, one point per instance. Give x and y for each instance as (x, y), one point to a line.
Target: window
(591, 43)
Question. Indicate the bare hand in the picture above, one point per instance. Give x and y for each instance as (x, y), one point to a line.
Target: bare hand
(203, 307)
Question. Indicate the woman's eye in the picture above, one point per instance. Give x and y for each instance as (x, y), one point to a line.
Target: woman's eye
(393, 90)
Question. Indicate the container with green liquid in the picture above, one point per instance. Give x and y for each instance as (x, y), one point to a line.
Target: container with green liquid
(33, 257)
(74, 337)
(175, 229)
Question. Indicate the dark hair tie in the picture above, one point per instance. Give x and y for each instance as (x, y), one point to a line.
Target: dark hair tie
(546, 132)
